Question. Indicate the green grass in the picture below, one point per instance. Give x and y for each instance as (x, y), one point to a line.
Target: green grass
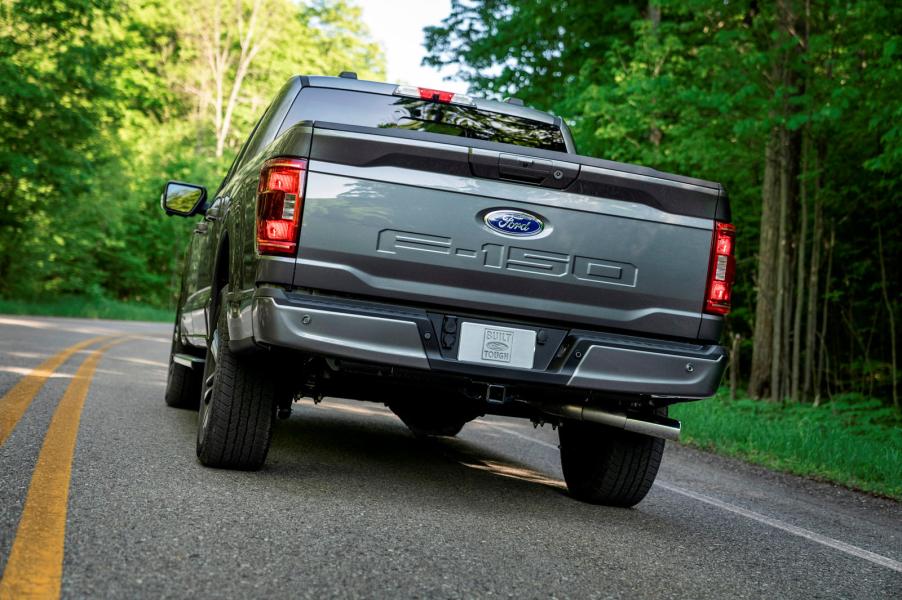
(91, 308)
(852, 440)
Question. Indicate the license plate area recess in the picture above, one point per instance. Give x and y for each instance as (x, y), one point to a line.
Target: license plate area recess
(449, 334)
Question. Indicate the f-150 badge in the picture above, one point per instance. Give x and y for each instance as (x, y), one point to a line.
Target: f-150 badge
(438, 249)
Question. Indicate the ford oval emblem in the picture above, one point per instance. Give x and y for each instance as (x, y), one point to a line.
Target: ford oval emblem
(514, 222)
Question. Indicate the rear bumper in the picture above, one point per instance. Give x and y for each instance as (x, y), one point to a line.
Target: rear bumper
(417, 338)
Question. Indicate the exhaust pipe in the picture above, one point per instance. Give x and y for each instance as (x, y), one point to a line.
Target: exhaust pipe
(660, 427)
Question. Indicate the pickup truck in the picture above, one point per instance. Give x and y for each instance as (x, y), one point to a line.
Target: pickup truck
(450, 257)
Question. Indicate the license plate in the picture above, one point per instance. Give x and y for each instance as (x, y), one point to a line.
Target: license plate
(497, 346)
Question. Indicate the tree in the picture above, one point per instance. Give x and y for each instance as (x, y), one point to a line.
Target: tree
(225, 40)
(102, 102)
(533, 50)
(792, 105)
(55, 69)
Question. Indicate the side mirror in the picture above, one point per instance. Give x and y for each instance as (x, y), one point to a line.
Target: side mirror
(183, 199)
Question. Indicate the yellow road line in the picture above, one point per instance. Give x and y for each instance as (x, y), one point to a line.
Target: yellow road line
(16, 401)
(35, 565)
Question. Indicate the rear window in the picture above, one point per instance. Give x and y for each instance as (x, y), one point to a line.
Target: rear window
(379, 110)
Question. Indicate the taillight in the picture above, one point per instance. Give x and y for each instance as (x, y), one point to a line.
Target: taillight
(280, 201)
(721, 270)
(411, 91)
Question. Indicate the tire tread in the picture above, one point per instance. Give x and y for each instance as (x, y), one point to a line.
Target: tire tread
(603, 465)
(241, 420)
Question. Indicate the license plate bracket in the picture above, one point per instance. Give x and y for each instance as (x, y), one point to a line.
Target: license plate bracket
(497, 346)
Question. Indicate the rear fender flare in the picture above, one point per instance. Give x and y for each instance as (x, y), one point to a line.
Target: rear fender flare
(220, 277)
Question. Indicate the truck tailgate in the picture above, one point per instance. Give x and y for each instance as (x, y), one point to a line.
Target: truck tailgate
(404, 219)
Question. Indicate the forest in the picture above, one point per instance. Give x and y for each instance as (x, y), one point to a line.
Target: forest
(103, 101)
(793, 105)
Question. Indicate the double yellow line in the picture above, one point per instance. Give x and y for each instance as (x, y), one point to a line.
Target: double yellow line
(34, 567)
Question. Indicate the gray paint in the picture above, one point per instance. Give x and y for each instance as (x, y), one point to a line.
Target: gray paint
(454, 155)
(635, 371)
(409, 237)
(607, 366)
(392, 341)
(399, 215)
(502, 190)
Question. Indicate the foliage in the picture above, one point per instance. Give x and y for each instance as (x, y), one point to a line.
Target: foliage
(851, 440)
(55, 67)
(102, 102)
(86, 307)
(534, 50)
(706, 88)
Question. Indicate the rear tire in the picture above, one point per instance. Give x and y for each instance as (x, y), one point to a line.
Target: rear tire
(182, 383)
(237, 407)
(604, 465)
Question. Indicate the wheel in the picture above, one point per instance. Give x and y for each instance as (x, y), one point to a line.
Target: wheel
(237, 407)
(604, 465)
(429, 421)
(182, 383)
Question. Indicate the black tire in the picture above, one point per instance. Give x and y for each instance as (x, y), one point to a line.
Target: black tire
(182, 383)
(427, 423)
(603, 465)
(237, 407)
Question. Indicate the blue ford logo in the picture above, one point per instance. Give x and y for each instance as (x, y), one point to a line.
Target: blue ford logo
(512, 222)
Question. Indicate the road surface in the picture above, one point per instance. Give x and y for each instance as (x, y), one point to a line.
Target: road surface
(101, 496)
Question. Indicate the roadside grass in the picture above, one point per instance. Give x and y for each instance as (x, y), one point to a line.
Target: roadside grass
(86, 307)
(852, 440)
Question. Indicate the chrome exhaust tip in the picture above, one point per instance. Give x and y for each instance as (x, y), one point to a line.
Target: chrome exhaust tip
(659, 427)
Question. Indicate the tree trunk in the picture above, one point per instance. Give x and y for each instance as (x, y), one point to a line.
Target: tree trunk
(890, 309)
(249, 47)
(800, 279)
(822, 352)
(8, 232)
(218, 63)
(225, 67)
(734, 366)
(776, 197)
(655, 135)
(813, 276)
(777, 339)
(762, 346)
(654, 15)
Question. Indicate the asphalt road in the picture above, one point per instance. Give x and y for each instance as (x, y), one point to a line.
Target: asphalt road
(352, 505)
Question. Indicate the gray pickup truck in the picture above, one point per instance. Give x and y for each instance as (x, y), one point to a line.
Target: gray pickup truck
(450, 257)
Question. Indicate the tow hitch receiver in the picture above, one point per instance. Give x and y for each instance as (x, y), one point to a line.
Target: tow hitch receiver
(496, 394)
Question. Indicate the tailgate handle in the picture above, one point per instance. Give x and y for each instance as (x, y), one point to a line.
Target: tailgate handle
(524, 168)
(556, 174)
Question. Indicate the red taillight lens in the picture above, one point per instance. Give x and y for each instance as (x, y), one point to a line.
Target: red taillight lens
(722, 270)
(280, 201)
